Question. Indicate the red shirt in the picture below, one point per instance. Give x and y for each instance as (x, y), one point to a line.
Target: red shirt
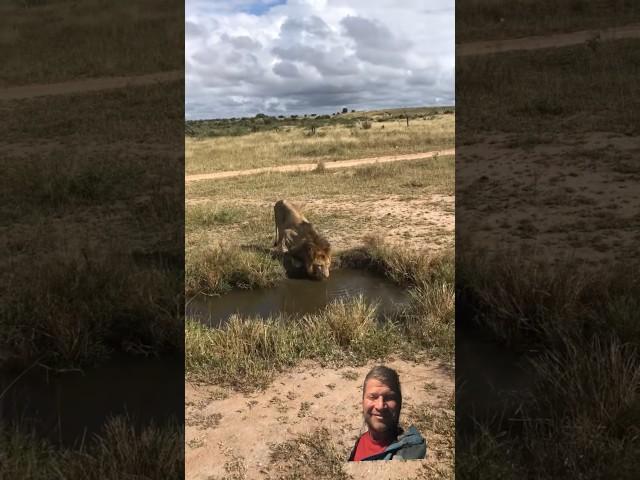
(367, 446)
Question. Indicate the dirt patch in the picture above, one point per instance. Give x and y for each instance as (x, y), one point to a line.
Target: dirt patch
(547, 41)
(233, 431)
(415, 223)
(87, 85)
(523, 195)
(424, 223)
(306, 167)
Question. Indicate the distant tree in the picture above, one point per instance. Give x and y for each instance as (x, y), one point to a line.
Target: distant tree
(260, 115)
(294, 116)
(313, 114)
(352, 111)
(345, 110)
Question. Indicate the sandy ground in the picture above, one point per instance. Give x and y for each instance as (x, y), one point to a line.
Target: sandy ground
(305, 167)
(524, 195)
(87, 85)
(421, 223)
(228, 431)
(547, 41)
(426, 223)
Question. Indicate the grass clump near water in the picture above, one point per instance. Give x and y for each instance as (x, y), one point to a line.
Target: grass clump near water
(526, 303)
(429, 319)
(247, 352)
(585, 391)
(218, 269)
(77, 310)
(119, 451)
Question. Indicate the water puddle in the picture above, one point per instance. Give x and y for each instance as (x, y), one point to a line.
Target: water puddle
(65, 407)
(298, 297)
(489, 378)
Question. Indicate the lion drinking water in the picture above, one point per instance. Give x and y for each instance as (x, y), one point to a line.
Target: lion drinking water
(296, 236)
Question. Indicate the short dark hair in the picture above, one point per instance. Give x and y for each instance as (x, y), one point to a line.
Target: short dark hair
(387, 376)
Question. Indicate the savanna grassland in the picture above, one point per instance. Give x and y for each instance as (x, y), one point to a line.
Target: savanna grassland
(62, 40)
(220, 145)
(478, 20)
(548, 264)
(395, 220)
(88, 211)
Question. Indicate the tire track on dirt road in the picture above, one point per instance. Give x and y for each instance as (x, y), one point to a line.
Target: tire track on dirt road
(547, 41)
(87, 85)
(306, 167)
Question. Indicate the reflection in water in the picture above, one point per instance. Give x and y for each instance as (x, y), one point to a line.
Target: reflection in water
(75, 404)
(298, 297)
(489, 378)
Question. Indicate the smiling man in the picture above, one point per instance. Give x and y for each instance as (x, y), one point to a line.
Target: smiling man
(384, 439)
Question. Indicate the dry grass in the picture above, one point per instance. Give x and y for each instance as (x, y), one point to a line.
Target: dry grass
(246, 352)
(246, 223)
(413, 178)
(312, 455)
(572, 89)
(119, 451)
(76, 310)
(586, 375)
(88, 223)
(503, 19)
(332, 142)
(219, 268)
(57, 40)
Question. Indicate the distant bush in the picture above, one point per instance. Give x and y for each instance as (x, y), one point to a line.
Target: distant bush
(366, 125)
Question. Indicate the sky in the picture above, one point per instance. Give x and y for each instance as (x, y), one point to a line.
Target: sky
(284, 57)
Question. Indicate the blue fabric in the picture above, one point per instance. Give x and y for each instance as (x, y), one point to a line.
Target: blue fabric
(410, 445)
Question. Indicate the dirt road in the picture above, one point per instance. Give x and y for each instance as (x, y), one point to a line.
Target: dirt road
(465, 49)
(546, 41)
(87, 85)
(305, 167)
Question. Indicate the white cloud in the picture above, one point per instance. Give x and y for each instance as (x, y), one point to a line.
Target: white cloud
(316, 56)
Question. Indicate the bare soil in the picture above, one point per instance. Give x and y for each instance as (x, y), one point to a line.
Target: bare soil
(420, 223)
(227, 430)
(523, 195)
(305, 167)
(547, 41)
(87, 85)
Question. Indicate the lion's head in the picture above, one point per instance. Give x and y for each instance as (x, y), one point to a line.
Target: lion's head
(317, 261)
(313, 250)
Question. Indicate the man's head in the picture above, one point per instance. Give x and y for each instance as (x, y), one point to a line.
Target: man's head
(382, 401)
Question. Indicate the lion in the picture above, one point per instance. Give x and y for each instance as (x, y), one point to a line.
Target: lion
(296, 236)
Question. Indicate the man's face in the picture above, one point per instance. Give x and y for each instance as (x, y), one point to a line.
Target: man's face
(380, 406)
